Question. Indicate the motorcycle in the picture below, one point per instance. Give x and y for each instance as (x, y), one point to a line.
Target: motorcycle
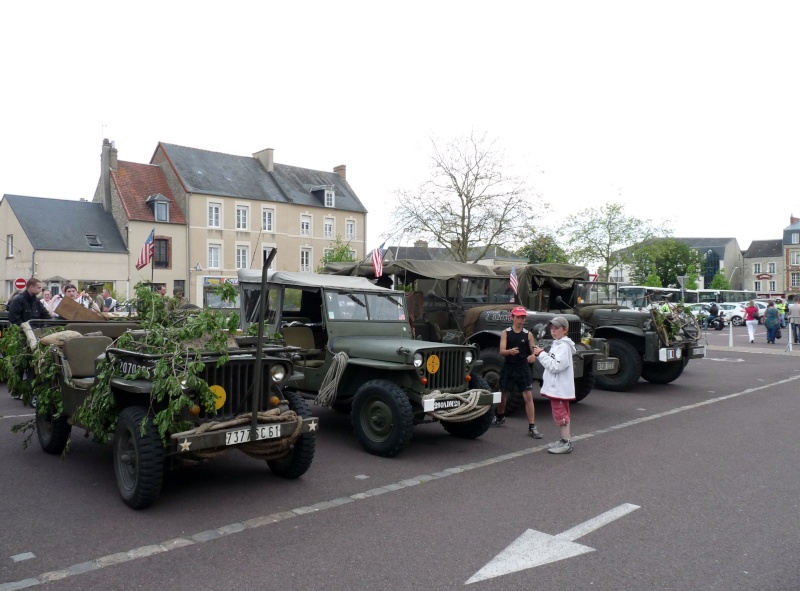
(715, 322)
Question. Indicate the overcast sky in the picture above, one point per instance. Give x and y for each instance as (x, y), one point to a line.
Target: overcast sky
(675, 109)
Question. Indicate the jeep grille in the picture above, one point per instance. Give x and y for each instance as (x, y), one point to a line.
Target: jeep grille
(575, 332)
(236, 377)
(452, 371)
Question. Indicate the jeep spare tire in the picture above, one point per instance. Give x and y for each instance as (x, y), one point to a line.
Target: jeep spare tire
(382, 417)
(477, 426)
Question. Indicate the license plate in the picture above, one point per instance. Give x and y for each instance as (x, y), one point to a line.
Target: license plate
(603, 365)
(446, 404)
(701, 351)
(243, 435)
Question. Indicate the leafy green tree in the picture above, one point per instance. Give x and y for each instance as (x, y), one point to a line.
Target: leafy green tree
(669, 257)
(470, 203)
(692, 281)
(543, 248)
(652, 280)
(339, 251)
(720, 281)
(601, 236)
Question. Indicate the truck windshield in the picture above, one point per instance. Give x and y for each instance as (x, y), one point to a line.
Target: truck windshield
(364, 306)
(595, 293)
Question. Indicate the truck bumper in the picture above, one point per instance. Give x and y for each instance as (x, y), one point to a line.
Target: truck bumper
(189, 441)
(448, 402)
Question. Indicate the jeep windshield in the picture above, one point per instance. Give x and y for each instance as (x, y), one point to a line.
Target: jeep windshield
(342, 305)
(587, 293)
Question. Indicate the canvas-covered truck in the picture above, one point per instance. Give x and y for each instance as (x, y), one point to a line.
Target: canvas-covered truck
(466, 303)
(182, 406)
(654, 343)
(356, 354)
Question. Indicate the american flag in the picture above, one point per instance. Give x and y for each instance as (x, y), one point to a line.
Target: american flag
(514, 280)
(147, 251)
(377, 260)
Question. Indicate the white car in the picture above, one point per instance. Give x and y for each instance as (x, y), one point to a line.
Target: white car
(701, 311)
(734, 313)
(762, 307)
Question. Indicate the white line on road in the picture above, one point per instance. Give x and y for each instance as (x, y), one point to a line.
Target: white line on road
(17, 416)
(234, 528)
(586, 527)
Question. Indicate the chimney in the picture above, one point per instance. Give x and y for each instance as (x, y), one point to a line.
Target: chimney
(265, 157)
(105, 174)
(341, 170)
(792, 219)
(112, 157)
(421, 244)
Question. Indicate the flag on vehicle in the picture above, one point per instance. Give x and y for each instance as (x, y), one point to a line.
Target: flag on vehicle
(514, 280)
(377, 260)
(147, 251)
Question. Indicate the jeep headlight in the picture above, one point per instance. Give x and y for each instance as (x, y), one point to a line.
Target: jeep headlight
(468, 357)
(278, 372)
(418, 360)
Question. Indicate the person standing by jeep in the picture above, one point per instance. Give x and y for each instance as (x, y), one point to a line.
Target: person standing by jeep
(517, 346)
(27, 305)
(558, 382)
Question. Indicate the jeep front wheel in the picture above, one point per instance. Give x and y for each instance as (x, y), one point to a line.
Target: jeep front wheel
(585, 383)
(138, 458)
(490, 370)
(52, 432)
(630, 367)
(477, 426)
(663, 373)
(382, 418)
(299, 459)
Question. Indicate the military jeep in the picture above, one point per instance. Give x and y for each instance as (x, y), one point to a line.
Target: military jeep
(264, 422)
(353, 345)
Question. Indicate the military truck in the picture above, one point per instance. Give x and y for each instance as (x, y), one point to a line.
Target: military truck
(353, 345)
(654, 343)
(465, 303)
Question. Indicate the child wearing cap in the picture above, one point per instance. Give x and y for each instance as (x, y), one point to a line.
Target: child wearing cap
(516, 346)
(558, 382)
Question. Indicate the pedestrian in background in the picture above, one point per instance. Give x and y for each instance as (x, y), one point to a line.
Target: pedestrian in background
(558, 382)
(26, 305)
(750, 320)
(772, 322)
(794, 319)
(516, 347)
(781, 306)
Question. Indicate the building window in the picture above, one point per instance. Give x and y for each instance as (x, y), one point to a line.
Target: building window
(161, 253)
(267, 220)
(770, 267)
(772, 287)
(305, 260)
(329, 198)
(795, 279)
(267, 249)
(10, 246)
(242, 215)
(241, 257)
(353, 254)
(756, 268)
(328, 228)
(214, 256)
(305, 225)
(794, 257)
(214, 215)
(795, 238)
(350, 229)
(162, 211)
(757, 286)
(326, 252)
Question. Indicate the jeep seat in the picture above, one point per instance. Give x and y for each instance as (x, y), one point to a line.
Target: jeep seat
(78, 359)
(301, 336)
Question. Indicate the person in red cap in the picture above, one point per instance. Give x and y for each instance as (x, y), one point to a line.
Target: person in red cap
(516, 346)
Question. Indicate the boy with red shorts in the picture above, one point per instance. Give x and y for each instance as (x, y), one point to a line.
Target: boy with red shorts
(558, 382)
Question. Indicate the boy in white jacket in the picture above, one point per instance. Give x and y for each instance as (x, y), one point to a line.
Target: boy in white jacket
(558, 382)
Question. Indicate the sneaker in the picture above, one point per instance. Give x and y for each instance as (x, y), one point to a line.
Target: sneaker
(534, 432)
(498, 421)
(560, 447)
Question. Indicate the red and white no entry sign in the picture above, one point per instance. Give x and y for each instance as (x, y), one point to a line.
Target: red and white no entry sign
(19, 283)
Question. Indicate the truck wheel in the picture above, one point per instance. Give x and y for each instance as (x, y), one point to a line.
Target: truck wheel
(630, 367)
(476, 427)
(138, 459)
(662, 373)
(585, 383)
(299, 459)
(490, 370)
(382, 418)
(52, 432)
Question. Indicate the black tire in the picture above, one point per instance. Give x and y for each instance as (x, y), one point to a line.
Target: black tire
(138, 459)
(737, 321)
(476, 427)
(299, 459)
(382, 418)
(585, 383)
(662, 373)
(52, 432)
(490, 371)
(630, 367)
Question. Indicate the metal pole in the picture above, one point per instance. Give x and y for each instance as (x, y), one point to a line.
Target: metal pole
(260, 340)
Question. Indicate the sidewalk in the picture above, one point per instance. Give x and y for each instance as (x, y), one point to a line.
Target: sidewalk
(719, 340)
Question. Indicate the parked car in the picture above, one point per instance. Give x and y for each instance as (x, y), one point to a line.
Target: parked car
(734, 313)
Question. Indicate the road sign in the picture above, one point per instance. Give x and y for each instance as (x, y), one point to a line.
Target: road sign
(19, 283)
(535, 548)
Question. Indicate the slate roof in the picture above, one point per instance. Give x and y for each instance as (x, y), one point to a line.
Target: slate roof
(73, 220)
(226, 175)
(135, 183)
(764, 249)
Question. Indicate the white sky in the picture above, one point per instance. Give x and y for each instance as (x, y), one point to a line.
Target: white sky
(675, 109)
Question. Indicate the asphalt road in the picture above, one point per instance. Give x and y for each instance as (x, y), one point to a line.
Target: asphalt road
(703, 475)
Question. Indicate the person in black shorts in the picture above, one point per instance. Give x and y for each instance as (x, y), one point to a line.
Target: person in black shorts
(516, 346)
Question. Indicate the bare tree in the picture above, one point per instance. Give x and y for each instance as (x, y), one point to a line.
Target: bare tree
(469, 204)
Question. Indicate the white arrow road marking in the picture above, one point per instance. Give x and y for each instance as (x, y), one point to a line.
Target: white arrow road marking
(534, 548)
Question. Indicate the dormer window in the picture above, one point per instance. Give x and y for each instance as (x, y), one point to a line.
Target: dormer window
(330, 198)
(93, 240)
(159, 205)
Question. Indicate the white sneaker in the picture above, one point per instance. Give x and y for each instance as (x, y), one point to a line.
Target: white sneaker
(560, 447)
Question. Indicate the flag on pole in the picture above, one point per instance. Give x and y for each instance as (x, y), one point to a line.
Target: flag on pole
(147, 251)
(514, 280)
(377, 260)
